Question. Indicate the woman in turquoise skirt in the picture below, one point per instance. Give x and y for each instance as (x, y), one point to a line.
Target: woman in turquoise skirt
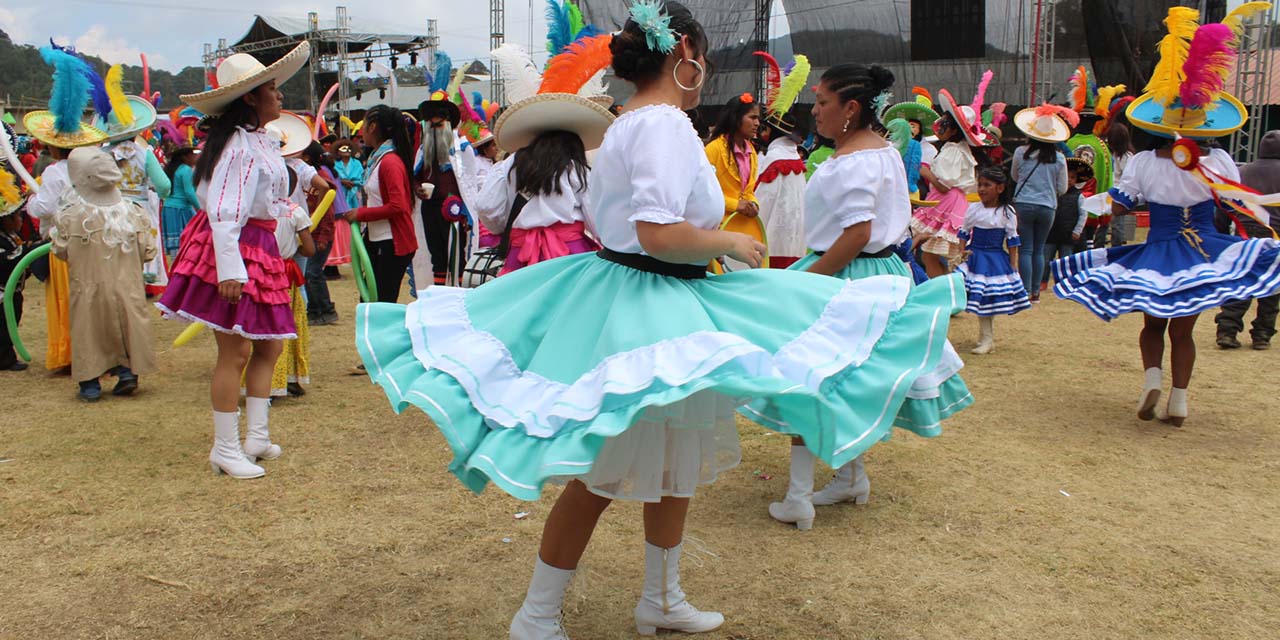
(857, 208)
(617, 374)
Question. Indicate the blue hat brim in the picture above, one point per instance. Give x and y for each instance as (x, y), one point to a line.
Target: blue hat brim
(1223, 116)
(144, 117)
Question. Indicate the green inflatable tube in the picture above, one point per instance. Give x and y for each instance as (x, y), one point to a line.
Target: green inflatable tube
(11, 316)
(362, 267)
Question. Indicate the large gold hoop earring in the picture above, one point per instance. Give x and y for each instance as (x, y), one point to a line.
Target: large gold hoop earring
(702, 74)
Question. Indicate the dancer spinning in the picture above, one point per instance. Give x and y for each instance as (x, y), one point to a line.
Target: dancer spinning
(228, 274)
(991, 278)
(856, 210)
(951, 177)
(1185, 267)
(618, 373)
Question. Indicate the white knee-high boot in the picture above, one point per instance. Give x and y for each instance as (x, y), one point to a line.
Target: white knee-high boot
(662, 603)
(986, 336)
(539, 616)
(850, 484)
(226, 456)
(257, 439)
(797, 508)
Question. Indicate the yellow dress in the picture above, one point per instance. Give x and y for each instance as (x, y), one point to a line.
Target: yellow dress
(57, 299)
(730, 178)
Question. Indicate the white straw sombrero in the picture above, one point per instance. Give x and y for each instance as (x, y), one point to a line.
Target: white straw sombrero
(241, 73)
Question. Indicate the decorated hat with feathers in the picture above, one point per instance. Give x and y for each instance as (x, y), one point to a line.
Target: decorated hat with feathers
(1185, 95)
(62, 125)
(969, 116)
(919, 109)
(784, 87)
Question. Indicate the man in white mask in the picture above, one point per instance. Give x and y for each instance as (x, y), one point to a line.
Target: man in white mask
(435, 182)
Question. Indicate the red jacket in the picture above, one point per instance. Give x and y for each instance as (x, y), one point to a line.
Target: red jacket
(397, 204)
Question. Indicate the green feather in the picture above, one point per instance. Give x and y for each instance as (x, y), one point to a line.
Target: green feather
(576, 22)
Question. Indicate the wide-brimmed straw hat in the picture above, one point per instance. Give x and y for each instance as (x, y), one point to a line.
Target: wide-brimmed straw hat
(293, 132)
(143, 117)
(524, 121)
(241, 73)
(1042, 125)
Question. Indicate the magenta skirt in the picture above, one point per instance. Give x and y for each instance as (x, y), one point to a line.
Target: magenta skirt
(263, 312)
(531, 246)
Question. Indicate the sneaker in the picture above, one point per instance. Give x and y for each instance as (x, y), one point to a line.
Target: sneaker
(1228, 341)
(90, 391)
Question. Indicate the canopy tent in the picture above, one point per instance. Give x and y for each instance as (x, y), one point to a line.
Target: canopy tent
(361, 35)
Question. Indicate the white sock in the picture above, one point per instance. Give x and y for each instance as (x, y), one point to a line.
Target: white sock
(1154, 377)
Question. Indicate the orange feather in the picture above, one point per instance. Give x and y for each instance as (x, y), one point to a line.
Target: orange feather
(567, 72)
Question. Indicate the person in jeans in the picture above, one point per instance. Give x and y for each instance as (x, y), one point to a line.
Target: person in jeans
(387, 216)
(1262, 174)
(1070, 217)
(320, 309)
(1040, 176)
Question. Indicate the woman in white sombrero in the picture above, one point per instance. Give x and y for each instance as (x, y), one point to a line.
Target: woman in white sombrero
(536, 199)
(228, 274)
(1039, 177)
(1185, 267)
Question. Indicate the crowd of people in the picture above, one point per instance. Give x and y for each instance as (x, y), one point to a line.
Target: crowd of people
(614, 336)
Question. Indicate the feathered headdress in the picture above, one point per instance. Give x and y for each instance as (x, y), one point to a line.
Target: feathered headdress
(1209, 59)
(899, 134)
(773, 75)
(981, 95)
(1106, 107)
(559, 31)
(922, 96)
(71, 88)
(441, 72)
(119, 103)
(1080, 89)
(789, 90)
(1168, 75)
(1070, 115)
(569, 71)
(520, 78)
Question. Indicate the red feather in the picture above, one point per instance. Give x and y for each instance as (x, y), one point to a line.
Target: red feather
(923, 92)
(773, 73)
(1208, 62)
(567, 72)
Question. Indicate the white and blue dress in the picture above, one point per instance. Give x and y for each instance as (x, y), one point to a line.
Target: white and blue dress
(624, 371)
(993, 286)
(1185, 267)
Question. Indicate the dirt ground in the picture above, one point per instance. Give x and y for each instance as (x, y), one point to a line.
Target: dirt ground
(1047, 510)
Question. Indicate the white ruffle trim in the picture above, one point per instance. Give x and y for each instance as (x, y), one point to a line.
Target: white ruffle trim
(1234, 261)
(170, 314)
(443, 338)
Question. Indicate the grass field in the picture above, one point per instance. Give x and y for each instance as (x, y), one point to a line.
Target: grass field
(1045, 511)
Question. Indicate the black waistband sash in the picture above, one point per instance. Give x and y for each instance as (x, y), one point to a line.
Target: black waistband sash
(650, 264)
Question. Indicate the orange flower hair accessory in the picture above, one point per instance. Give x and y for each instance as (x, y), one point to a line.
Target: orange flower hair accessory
(747, 98)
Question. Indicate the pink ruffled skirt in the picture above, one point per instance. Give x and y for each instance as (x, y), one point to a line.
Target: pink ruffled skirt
(943, 221)
(263, 312)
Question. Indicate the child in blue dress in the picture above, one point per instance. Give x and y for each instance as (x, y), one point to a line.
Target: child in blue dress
(991, 279)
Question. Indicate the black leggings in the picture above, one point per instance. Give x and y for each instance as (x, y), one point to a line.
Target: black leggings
(388, 268)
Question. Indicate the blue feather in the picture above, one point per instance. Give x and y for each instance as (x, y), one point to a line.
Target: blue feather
(71, 88)
(477, 104)
(558, 36)
(588, 31)
(443, 67)
(98, 91)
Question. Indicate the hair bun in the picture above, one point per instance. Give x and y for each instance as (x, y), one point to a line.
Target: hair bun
(881, 77)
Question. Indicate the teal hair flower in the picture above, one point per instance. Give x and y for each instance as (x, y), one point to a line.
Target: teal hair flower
(655, 24)
(881, 102)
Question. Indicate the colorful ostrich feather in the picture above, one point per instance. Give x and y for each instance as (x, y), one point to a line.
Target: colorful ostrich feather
(1070, 115)
(119, 102)
(559, 31)
(1106, 95)
(576, 22)
(773, 75)
(459, 75)
(477, 105)
(70, 89)
(981, 95)
(922, 96)
(1235, 19)
(442, 70)
(567, 72)
(899, 134)
(1079, 88)
(791, 86)
(98, 92)
(1209, 60)
(9, 187)
(998, 117)
(1168, 74)
(520, 78)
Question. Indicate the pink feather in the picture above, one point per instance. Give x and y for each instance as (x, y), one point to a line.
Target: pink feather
(998, 118)
(981, 95)
(1209, 61)
(469, 114)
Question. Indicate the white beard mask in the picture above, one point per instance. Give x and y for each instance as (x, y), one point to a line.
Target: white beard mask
(436, 144)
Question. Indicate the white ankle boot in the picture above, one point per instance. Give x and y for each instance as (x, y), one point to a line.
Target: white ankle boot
(226, 456)
(662, 604)
(257, 441)
(1177, 406)
(796, 508)
(539, 616)
(986, 336)
(1150, 394)
(850, 484)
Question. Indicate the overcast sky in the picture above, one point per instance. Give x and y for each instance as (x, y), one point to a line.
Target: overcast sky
(173, 33)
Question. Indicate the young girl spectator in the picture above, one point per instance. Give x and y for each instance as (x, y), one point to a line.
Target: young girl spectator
(991, 279)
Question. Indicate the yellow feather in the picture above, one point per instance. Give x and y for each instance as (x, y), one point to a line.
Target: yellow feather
(1106, 95)
(792, 85)
(119, 103)
(1248, 10)
(8, 187)
(1167, 77)
(456, 83)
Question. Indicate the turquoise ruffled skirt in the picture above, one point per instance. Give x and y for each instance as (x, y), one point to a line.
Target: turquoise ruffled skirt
(583, 368)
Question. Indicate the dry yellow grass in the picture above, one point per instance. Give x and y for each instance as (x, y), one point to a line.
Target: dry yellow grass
(111, 525)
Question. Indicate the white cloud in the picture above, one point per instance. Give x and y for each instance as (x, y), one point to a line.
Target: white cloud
(97, 42)
(13, 24)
